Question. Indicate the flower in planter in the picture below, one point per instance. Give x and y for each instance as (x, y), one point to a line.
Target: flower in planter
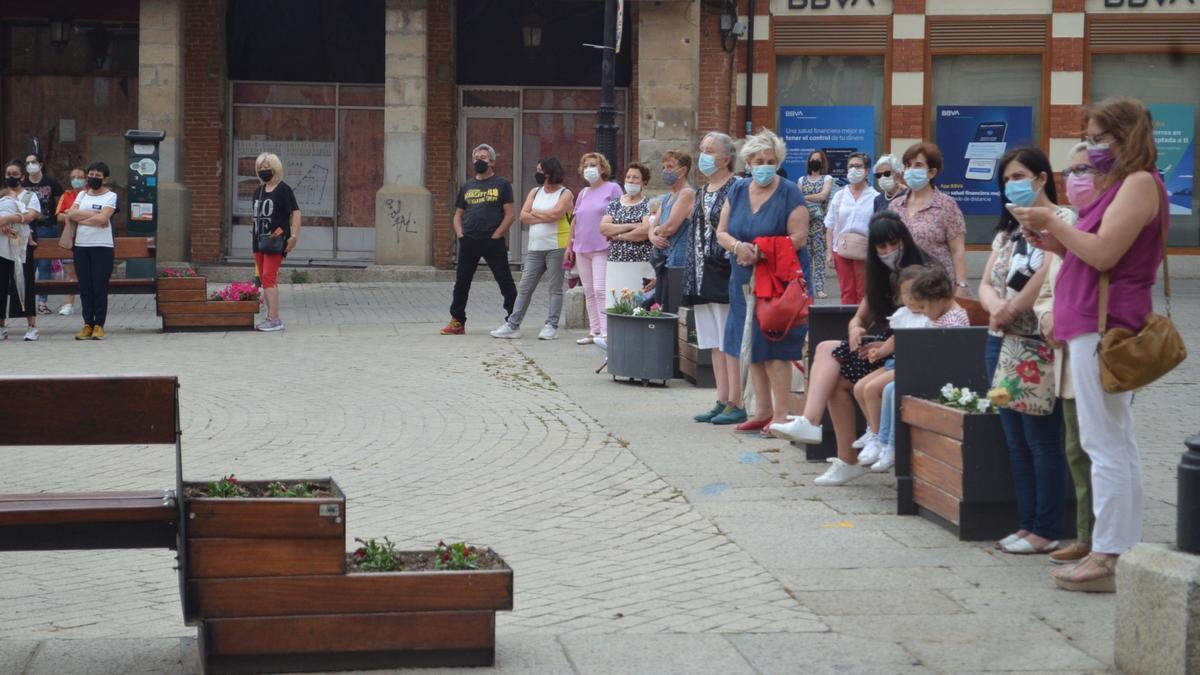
(631, 303)
(375, 556)
(962, 398)
(983, 405)
(226, 487)
(237, 291)
(456, 556)
(177, 272)
(999, 396)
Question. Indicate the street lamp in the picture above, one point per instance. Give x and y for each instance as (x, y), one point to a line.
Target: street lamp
(60, 34)
(531, 30)
(606, 117)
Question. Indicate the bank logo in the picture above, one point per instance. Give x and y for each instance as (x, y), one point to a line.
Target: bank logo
(949, 113)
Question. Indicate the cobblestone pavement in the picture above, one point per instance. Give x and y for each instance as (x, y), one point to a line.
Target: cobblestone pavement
(642, 542)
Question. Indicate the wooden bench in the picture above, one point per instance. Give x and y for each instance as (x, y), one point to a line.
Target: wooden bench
(124, 248)
(133, 410)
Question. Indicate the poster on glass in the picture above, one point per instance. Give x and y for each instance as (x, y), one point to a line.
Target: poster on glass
(972, 140)
(839, 130)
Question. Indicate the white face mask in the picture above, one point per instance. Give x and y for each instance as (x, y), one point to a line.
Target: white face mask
(632, 188)
(887, 183)
(856, 176)
(32, 168)
(591, 174)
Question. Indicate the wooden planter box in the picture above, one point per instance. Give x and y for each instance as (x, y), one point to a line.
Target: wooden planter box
(641, 347)
(351, 621)
(261, 537)
(960, 471)
(183, 304)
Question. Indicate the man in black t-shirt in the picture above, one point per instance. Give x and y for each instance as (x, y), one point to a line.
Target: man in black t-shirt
(48, 192)
(483, 213)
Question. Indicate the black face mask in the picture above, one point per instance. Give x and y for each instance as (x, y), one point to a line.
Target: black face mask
(265, 176)
(814, 165)
(94, 182)
(481, 166)
(12, 181)
(539, 178)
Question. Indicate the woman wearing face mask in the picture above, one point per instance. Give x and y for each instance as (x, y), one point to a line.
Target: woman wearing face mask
(706, 279)
(92, 215)
(837, 365)
(763, 211)
(816, 187)
(545, 212)
(846, 227)
(933, 217)
(1080, 177)
(1011, 281)
(78, 185)
(669, 229)
(19, 208)
(589, 248)
(1121, 233)
(277, 216)
(629, 248)
(889, 176)
(48, 191)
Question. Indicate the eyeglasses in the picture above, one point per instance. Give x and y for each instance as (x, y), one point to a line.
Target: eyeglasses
(1098, 139)
(1080, 170)
(883, 174)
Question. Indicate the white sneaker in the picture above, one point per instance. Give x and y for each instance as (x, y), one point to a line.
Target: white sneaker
(67, 309)
(601, 342)
(840, 473)
(548, 332)
(887, 459)
(31, 335)
(3, 333)
(586, 340)
(870, 454)
(799, 430)
(863, 440)
(506, 331)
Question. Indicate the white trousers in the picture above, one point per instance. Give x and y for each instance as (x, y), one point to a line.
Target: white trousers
(710, 324)
(1106, 433)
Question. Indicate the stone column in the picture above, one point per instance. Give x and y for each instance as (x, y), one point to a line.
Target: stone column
(403, 206)
(669, 70)
(160, 107)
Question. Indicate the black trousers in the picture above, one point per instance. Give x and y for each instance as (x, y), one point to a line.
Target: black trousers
(495, 253)
(18, 305)
(94, 266)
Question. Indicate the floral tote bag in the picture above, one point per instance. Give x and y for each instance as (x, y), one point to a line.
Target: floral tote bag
(1024, 379)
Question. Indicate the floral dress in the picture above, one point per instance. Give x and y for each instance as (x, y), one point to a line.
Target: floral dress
(628, 261)
(816, 229)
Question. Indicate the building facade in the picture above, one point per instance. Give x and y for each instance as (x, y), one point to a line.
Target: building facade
(374, 105)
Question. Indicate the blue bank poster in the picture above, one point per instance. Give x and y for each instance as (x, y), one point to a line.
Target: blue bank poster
(1175, 138)
(972, 140)
(839, 130)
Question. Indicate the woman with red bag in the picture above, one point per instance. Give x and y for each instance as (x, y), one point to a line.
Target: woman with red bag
(764, 209)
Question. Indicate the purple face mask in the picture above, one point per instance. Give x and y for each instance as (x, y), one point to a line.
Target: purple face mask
(1101, 157)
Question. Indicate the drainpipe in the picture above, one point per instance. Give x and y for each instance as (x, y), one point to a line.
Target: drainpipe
(750, 71)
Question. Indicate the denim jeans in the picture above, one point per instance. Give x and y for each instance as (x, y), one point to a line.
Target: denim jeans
(887, 421)
(45, 268)
(1037, 459)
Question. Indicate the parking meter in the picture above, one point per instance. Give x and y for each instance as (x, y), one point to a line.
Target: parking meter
(143, 193)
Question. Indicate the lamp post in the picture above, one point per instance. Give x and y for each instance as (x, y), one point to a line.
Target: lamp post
(606, 118)
(1187, 524)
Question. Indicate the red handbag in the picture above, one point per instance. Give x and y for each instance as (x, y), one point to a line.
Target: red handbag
(778, 316)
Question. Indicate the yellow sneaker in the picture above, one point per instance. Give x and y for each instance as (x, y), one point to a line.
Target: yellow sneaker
(97, 332)
(85, 334)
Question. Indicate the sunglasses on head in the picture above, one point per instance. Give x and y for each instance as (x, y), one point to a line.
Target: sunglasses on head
(882, 174)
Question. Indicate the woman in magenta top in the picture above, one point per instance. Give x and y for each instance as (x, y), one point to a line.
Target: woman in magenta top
(1120, 233)
(589, 248)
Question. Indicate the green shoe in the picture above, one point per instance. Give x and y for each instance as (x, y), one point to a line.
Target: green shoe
(707, 416)
(731, 415)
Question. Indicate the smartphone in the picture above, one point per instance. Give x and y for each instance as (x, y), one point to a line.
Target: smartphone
(867, 339)
(1010, 206)
(984, 168)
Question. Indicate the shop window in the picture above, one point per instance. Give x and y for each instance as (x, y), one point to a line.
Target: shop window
(1170, 81)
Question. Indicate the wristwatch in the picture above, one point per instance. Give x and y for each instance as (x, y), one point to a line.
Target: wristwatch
(962, 284)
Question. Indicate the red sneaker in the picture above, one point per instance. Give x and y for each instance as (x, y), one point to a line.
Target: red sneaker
(455, 327)
(753, 425)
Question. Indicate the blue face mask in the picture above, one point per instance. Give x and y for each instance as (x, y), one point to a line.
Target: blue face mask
(1020, 192)
(669, 178)
(707, 164)
(916, 178)
(763, 174)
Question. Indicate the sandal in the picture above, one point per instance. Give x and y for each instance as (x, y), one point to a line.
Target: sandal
(1023, 547)
(1006, 541)
(1106, 582)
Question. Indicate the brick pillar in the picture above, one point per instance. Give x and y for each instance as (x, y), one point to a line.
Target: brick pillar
(403, 206)
(668, 59)
(441, 129)
(204, 132)
(160, 107)
(1066, 79)
(908, 105)
(715, 91)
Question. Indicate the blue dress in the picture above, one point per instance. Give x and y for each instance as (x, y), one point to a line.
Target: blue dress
(770, 221)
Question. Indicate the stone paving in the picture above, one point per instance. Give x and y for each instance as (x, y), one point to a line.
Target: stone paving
(641, 542)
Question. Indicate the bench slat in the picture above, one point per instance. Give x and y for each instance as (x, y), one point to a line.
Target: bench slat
(124, 248)
(123, 286)
(108, 410)
(150, 508)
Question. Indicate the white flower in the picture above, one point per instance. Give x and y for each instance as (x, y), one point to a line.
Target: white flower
(967, 398)
(983, 405)
(948, 391)
(639, 311)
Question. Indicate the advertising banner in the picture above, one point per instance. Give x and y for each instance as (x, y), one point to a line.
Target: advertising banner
(972, 140)
(308, 167)
(1175, 138)
(837, 129)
